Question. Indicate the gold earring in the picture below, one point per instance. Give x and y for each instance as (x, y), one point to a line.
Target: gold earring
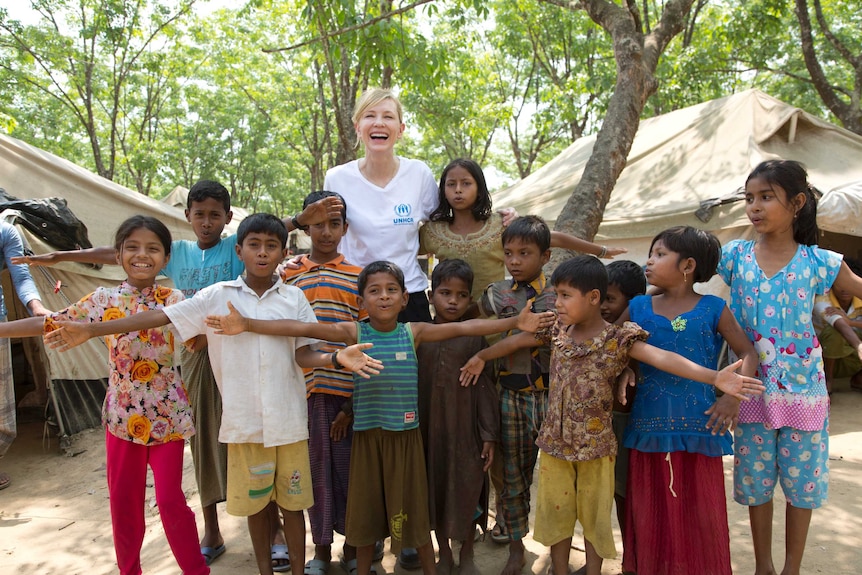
(684, 277)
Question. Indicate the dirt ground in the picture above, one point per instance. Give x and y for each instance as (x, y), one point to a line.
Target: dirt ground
(54, 517)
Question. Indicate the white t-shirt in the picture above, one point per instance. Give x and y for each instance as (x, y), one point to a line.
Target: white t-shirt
(384, 222)
(262, 387)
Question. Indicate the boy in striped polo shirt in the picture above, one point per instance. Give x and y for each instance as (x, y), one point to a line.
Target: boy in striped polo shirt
(388, 491)
(330, 285)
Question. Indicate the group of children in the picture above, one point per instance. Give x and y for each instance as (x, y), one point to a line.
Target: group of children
(417, 446)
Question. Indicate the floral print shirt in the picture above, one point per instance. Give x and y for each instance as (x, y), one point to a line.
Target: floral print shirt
(775, 313)
(577, 425)
(146, 401)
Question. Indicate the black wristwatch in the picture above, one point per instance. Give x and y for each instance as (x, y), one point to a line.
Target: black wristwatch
(294, 221)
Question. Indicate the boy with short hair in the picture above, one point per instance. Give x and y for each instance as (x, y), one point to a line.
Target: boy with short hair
(626, 279)
(330, 285)
(388, 493)
(523, 374)
(264, 422)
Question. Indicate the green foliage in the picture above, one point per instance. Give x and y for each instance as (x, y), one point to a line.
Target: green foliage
(259, 94)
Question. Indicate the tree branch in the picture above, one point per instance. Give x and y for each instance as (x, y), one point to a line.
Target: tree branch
(341, 31)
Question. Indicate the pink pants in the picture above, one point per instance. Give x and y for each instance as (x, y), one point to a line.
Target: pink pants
(127, 475)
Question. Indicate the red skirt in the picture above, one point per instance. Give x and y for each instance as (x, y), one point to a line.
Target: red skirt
(676, 515)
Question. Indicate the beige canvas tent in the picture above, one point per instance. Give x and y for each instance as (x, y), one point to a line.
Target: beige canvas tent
(76, 377)
(690, 156)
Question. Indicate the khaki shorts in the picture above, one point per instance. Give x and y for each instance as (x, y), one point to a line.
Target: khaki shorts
(388, 489)
(571, 491)
(257, 475)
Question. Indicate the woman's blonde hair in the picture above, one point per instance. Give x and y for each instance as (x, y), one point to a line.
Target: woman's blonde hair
(373, 96)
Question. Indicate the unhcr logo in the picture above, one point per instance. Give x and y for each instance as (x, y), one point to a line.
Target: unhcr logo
(402, 215)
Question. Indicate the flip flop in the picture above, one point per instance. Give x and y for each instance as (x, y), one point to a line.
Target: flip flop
(316, 567)
(5, 480)
(212, 553)
(279, 554)
(499, 535)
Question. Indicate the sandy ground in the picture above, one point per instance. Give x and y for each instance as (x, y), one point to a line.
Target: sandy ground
(54, 517)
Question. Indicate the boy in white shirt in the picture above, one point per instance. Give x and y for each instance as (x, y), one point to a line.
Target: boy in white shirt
(265, 419)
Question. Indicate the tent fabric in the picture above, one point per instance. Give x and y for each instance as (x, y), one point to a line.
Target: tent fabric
(688, 156)
(27, 172)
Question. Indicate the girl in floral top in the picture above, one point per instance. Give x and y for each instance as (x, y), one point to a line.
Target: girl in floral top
(146, 413)
(783, 436)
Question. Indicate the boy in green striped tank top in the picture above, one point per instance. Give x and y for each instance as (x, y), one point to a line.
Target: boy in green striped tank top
(387, 455)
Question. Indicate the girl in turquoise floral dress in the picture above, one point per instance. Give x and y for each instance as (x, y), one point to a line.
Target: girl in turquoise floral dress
(146, 412)
(678, 432)
(782, 437)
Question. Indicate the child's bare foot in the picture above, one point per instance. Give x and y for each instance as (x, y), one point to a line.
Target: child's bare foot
(516, 560)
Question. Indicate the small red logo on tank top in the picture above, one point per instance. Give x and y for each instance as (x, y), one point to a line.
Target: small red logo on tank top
(410, 417)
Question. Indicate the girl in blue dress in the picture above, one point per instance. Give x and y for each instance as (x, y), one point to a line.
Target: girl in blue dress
(678, 431)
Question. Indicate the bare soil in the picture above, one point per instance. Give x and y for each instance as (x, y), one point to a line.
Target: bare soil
(54, 516)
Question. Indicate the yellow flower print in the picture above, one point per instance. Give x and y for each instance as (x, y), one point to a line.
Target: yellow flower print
(139, 427)
(143, 370)
(113, 313)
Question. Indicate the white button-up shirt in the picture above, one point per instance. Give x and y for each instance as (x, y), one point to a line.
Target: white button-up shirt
(262, 387)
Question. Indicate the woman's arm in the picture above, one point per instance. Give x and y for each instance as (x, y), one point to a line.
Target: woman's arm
(234, 323)
(570, 242)
(101, 255)
(739, 386)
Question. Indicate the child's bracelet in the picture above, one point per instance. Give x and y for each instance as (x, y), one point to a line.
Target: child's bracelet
(334, 360)
(604, 252)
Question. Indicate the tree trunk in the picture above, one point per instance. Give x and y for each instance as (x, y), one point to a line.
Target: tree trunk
(636, 57)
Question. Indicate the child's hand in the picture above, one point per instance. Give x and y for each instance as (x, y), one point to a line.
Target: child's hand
(70, 334)
(723, 415)
(509, 215)
(533, 322)
(230, 324)
(611, 252)
(487, 454)
(471, 371)
(625, 379)
(739, 386)
(859, 351)
(325, 209)
(339, 427)
(352, 358)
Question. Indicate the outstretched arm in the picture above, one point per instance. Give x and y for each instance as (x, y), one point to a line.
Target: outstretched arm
(234, 323)
(100, 255)
(27, 327)
(727, 380)
(74, 333)
(570, 242)
(350, 358)
(524, 321)
(471, 370)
